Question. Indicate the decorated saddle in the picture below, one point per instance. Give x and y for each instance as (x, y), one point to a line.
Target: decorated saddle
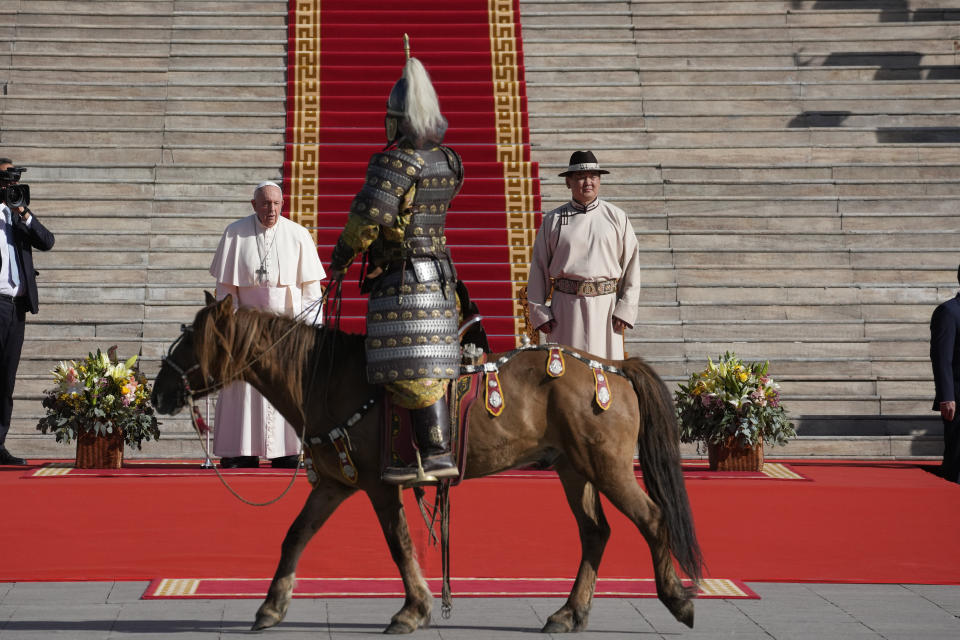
(476, 375)
(397, 445)
(397, 448)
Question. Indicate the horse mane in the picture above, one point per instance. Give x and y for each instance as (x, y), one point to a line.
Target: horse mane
(290, 348)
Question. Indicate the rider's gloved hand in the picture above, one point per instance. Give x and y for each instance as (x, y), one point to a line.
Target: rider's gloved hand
(341, 259)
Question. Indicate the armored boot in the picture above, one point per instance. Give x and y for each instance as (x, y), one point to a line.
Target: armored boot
(431, 430)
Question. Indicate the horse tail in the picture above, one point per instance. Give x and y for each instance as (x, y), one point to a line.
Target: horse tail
(659, 453)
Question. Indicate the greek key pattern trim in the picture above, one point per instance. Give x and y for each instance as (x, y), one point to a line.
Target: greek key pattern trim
(518, 189)
(305, 107)
(176, 587)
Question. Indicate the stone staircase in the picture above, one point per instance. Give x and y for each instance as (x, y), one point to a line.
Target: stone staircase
(792, 170)
(144, 126)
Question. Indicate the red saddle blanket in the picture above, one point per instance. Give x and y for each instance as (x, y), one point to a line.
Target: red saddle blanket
(397, 447)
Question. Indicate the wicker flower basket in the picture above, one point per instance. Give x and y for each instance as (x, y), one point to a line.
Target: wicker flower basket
(730, 457)
(99, 452)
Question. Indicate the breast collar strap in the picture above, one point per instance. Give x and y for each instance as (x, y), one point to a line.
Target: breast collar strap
(341, 431)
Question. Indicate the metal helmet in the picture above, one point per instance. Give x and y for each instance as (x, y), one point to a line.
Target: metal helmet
(413, 110)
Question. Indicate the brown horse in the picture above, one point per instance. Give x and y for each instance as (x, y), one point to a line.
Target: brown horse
(316, 378)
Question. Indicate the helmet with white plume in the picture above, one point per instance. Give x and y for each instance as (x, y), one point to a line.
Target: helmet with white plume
(413, 110)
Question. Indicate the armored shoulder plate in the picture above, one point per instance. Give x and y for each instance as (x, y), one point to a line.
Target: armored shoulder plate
(455, 162)
(389, 176)
(439, 181)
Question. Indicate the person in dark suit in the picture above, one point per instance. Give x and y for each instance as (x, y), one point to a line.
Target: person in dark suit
(945, 357)
(22, 233)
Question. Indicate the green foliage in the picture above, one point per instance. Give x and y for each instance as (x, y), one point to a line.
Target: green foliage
(100, 395)
(732, 399)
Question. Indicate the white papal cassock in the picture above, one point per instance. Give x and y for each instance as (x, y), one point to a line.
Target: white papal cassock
(277, 269)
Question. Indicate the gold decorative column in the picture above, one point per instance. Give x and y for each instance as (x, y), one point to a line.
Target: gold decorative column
(304, 105)
(511, 138)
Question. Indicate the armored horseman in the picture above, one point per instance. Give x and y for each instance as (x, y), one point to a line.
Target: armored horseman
(412, 316)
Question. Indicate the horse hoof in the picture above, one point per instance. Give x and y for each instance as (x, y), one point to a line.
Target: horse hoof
(566, 620)
(553, 626)
(397, 627)
(264, 622)
(683, 612)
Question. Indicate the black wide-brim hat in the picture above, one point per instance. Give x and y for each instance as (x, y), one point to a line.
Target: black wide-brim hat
(583, 161)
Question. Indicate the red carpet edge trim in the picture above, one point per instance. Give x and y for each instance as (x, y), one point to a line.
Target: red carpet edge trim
(692, 470)
(237, 588)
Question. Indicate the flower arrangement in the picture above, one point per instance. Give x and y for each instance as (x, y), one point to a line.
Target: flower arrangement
(732, 402)
(100, 395)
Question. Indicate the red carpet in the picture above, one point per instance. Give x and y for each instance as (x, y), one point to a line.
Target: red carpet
(462, 587)
(851, 522)
(343, 58)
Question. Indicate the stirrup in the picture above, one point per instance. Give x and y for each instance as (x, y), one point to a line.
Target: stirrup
(422, 478)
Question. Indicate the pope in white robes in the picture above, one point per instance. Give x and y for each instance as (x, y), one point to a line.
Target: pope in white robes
(269, 262)
(585, 259)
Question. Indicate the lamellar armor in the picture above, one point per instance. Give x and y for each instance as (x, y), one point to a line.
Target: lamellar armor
(412, 313)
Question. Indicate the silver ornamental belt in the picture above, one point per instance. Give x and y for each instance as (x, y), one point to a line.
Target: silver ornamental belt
(585, 288)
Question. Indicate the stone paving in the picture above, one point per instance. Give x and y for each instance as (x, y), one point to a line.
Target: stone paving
(114, 610)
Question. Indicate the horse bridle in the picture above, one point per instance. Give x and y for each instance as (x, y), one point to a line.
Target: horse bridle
(209, 385)
(187, 396)
(186, 391)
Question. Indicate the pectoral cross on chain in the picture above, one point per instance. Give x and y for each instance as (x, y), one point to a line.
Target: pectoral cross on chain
(264, 254)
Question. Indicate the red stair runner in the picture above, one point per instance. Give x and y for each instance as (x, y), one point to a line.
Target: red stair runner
(343, 60)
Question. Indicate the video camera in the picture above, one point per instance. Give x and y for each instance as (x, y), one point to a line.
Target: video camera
(13, 194)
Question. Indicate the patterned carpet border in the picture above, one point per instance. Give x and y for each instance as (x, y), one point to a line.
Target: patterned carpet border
(692, 470)
(242, 588)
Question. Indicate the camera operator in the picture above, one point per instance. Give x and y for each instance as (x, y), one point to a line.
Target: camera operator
(22, 233)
